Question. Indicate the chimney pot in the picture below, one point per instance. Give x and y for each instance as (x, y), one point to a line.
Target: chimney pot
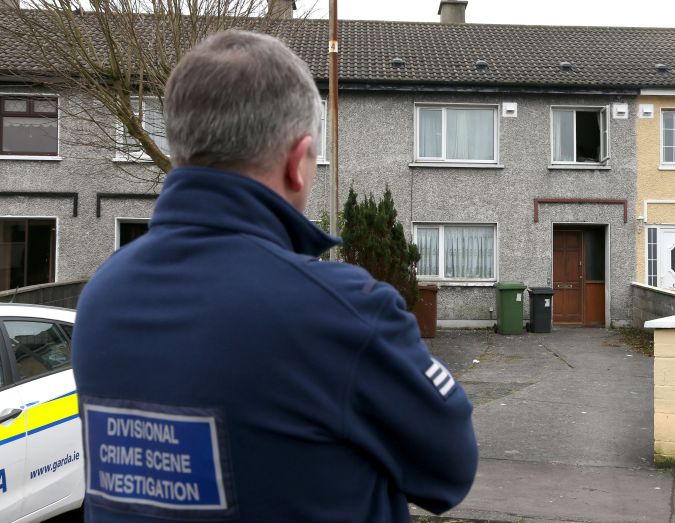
(452, 11)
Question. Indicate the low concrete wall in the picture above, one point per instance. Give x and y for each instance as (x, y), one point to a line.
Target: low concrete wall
(650, 303)
(63, 294)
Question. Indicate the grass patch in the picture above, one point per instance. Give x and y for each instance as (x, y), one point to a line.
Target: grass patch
(664, 462)
(639, 339)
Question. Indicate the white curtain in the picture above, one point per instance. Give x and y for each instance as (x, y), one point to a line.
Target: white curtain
(470, 134)
(563, 136)
(427, 243)
(469, 252)
(431, 133)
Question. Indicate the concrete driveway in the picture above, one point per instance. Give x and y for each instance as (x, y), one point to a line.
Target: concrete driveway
(564, 422)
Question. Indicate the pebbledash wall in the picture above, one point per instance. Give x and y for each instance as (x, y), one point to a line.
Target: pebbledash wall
(83, 239)
(377, 149)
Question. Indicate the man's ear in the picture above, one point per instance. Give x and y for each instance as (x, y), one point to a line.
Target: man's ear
(294, 165)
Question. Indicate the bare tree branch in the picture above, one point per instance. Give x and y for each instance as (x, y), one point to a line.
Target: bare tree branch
(116, 56)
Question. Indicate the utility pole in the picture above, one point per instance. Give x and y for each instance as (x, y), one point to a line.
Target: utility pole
(333, 117)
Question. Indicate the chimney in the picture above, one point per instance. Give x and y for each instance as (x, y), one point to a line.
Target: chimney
(280, 9)
(452, 11)
(9, 4)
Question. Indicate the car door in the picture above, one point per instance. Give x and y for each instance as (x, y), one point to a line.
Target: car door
(12, 444)
(46, 387)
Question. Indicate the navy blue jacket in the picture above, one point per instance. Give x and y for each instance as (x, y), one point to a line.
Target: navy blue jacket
(226, 374)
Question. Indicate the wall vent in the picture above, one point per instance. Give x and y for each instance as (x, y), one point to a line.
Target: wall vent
(620, 111)
(509, 109)
(646, 111)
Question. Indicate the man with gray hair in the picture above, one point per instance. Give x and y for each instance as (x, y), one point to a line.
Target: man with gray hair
(223, 372)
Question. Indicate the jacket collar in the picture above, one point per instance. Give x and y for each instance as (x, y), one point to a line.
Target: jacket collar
(223, 200)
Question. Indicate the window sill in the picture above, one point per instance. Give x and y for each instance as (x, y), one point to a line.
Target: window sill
(454, 283)
(131, 160)
(666, 167)
(31, 158)
(448, 165)
(579, 167)
(322, 162)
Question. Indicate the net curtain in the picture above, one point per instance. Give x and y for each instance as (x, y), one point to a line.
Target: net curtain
(563, 136)
(469, 252)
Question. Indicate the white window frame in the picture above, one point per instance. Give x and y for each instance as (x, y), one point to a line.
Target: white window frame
(121, 220)
(121, 156)
(659, 251)
(441, 248)
(604, 159)
(663, 163)
(323, 158)
(443, 107)
(647, 258)
(42, 158)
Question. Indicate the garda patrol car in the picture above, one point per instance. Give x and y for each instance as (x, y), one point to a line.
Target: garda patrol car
(41, 461)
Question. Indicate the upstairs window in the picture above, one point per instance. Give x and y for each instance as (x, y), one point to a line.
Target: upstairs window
(152, 120)
(668, 137)
(321, 146)
(579, 135)
(457, 133)
(29, 126)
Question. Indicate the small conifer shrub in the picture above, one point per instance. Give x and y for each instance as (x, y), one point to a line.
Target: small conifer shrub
(373, 239)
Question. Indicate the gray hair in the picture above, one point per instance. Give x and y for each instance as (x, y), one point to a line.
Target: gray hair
(239, 100)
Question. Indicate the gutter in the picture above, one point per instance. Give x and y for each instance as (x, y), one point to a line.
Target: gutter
(449, 88)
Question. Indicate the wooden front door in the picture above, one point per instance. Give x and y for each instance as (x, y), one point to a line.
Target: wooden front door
(579, 276)
(567, 288)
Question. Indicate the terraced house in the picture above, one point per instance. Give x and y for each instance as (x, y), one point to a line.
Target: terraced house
(512, 153)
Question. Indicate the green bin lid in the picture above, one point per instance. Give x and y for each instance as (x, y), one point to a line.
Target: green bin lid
(511, 285)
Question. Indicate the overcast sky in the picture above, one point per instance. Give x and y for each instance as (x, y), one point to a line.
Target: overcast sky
(642, 13)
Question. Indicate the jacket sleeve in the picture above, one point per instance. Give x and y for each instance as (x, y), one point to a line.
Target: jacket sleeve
(405, 410)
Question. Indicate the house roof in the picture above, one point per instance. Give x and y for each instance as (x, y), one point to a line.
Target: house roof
(516, 55)
(446, 55)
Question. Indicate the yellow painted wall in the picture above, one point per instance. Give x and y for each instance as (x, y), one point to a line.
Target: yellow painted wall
(664, 394)
(652, 183)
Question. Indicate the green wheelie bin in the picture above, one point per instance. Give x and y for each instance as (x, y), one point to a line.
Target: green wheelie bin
(509, 307)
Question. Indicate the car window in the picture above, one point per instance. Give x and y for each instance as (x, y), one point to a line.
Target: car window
(68, 329)
(39, 347)
(2, 370)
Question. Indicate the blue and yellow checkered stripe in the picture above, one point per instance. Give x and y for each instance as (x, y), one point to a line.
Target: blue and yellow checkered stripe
(39, 417)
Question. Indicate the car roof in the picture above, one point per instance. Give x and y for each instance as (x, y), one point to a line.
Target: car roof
(21, 310)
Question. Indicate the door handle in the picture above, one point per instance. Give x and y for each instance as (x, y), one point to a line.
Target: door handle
(14, 413)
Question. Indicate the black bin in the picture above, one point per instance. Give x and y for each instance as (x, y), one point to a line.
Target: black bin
(541, 307)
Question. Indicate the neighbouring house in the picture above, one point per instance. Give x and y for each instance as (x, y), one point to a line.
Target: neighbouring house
(511, 152)
(655, 240)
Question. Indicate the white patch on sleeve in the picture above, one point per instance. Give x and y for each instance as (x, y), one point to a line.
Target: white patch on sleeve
(440, 377)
